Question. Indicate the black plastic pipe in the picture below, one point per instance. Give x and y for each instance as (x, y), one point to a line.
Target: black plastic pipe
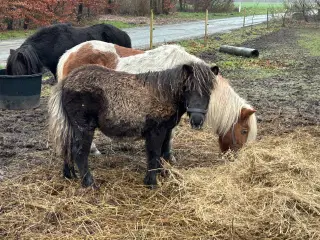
(239, 51)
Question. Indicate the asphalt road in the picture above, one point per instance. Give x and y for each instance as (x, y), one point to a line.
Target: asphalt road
(162, 33)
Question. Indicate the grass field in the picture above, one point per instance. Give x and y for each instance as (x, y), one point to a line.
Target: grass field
(261, 8)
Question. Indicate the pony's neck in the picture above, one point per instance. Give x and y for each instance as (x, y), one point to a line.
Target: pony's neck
(166, 84)
(224, 107)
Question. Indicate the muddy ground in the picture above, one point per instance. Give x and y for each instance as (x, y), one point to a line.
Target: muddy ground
(283, 85)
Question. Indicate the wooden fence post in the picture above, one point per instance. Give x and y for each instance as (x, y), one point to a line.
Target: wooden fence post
(206, 30)
(151, 29)
(244, 17)
(267, 18)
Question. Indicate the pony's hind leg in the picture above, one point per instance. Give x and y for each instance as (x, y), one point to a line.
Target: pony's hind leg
(80, 151)
(166, 148)
(68, 171)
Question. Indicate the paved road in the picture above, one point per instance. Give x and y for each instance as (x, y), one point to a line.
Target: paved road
(162, 33)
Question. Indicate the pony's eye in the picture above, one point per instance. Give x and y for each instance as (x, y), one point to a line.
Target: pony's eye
(244, 131)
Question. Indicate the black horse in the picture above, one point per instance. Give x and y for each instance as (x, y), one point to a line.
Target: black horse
(46, 46)
(147, 105)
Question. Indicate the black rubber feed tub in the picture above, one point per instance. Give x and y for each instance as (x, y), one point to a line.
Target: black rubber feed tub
(18, 92)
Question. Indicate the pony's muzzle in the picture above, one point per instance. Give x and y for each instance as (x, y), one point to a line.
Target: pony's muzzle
(197, 120)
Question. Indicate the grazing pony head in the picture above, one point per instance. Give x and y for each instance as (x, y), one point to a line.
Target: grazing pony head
(231, 117)
(23, 61)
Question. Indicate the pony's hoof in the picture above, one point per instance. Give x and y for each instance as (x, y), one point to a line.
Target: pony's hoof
(88, 181)
(150, 180)
(165, 173)
(96, 153)
(172, 160)
(168, 156)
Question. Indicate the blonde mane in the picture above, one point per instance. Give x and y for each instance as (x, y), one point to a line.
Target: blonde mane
(160, 58)
(225, 107)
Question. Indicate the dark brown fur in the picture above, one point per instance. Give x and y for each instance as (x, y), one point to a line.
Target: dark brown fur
(145, 105)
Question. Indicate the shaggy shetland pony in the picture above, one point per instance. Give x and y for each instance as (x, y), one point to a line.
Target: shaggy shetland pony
(93, 97)
(46, 46)
(235, 125)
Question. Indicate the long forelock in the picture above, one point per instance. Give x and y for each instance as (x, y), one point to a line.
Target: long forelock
(225, 108)
(158, 59)
(202, 79)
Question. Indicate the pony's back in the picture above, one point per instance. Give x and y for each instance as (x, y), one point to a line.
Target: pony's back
(49, 43)
(158, 59)
(90, 52)
(110, 34)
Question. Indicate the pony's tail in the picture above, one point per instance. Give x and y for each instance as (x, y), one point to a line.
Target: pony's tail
(60, 129)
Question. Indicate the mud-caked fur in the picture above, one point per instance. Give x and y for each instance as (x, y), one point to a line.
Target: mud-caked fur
(147, 105)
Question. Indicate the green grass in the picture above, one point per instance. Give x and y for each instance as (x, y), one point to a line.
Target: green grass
(200, 15)
(235, 37)
(256, 68)
(261, 8)
(311, 42)
(5, 35)
(251, 8)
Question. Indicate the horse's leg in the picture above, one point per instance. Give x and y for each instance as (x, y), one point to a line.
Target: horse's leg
(154, 142)
(166, 147)
(80, 150)
(68, 171)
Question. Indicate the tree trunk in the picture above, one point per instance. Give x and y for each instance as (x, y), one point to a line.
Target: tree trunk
(109, 9)
(10, 24)
(181, 5)
(25, 23)
(80, 12)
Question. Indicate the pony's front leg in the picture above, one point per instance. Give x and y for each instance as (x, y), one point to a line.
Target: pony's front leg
(166, 148)
(80, 151)
(154, 142)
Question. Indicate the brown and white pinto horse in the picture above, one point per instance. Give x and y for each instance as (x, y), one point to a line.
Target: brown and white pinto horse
(231, 117)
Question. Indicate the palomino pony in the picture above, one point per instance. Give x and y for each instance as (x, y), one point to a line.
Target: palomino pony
(45, 47)
(94, 96)
(234, 119)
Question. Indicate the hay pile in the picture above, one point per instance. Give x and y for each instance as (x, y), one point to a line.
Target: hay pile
(271, 191)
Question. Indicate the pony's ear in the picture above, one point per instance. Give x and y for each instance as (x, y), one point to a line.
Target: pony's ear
(246, 113)
(215, 70)
(21, 57)
(188, 69)
(12, 51)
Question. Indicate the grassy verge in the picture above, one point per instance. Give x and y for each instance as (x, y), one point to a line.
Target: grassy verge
(5, 35)
(233, 38)
(261, 8)
(251, 8)
(258, 67)
(310, 42)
